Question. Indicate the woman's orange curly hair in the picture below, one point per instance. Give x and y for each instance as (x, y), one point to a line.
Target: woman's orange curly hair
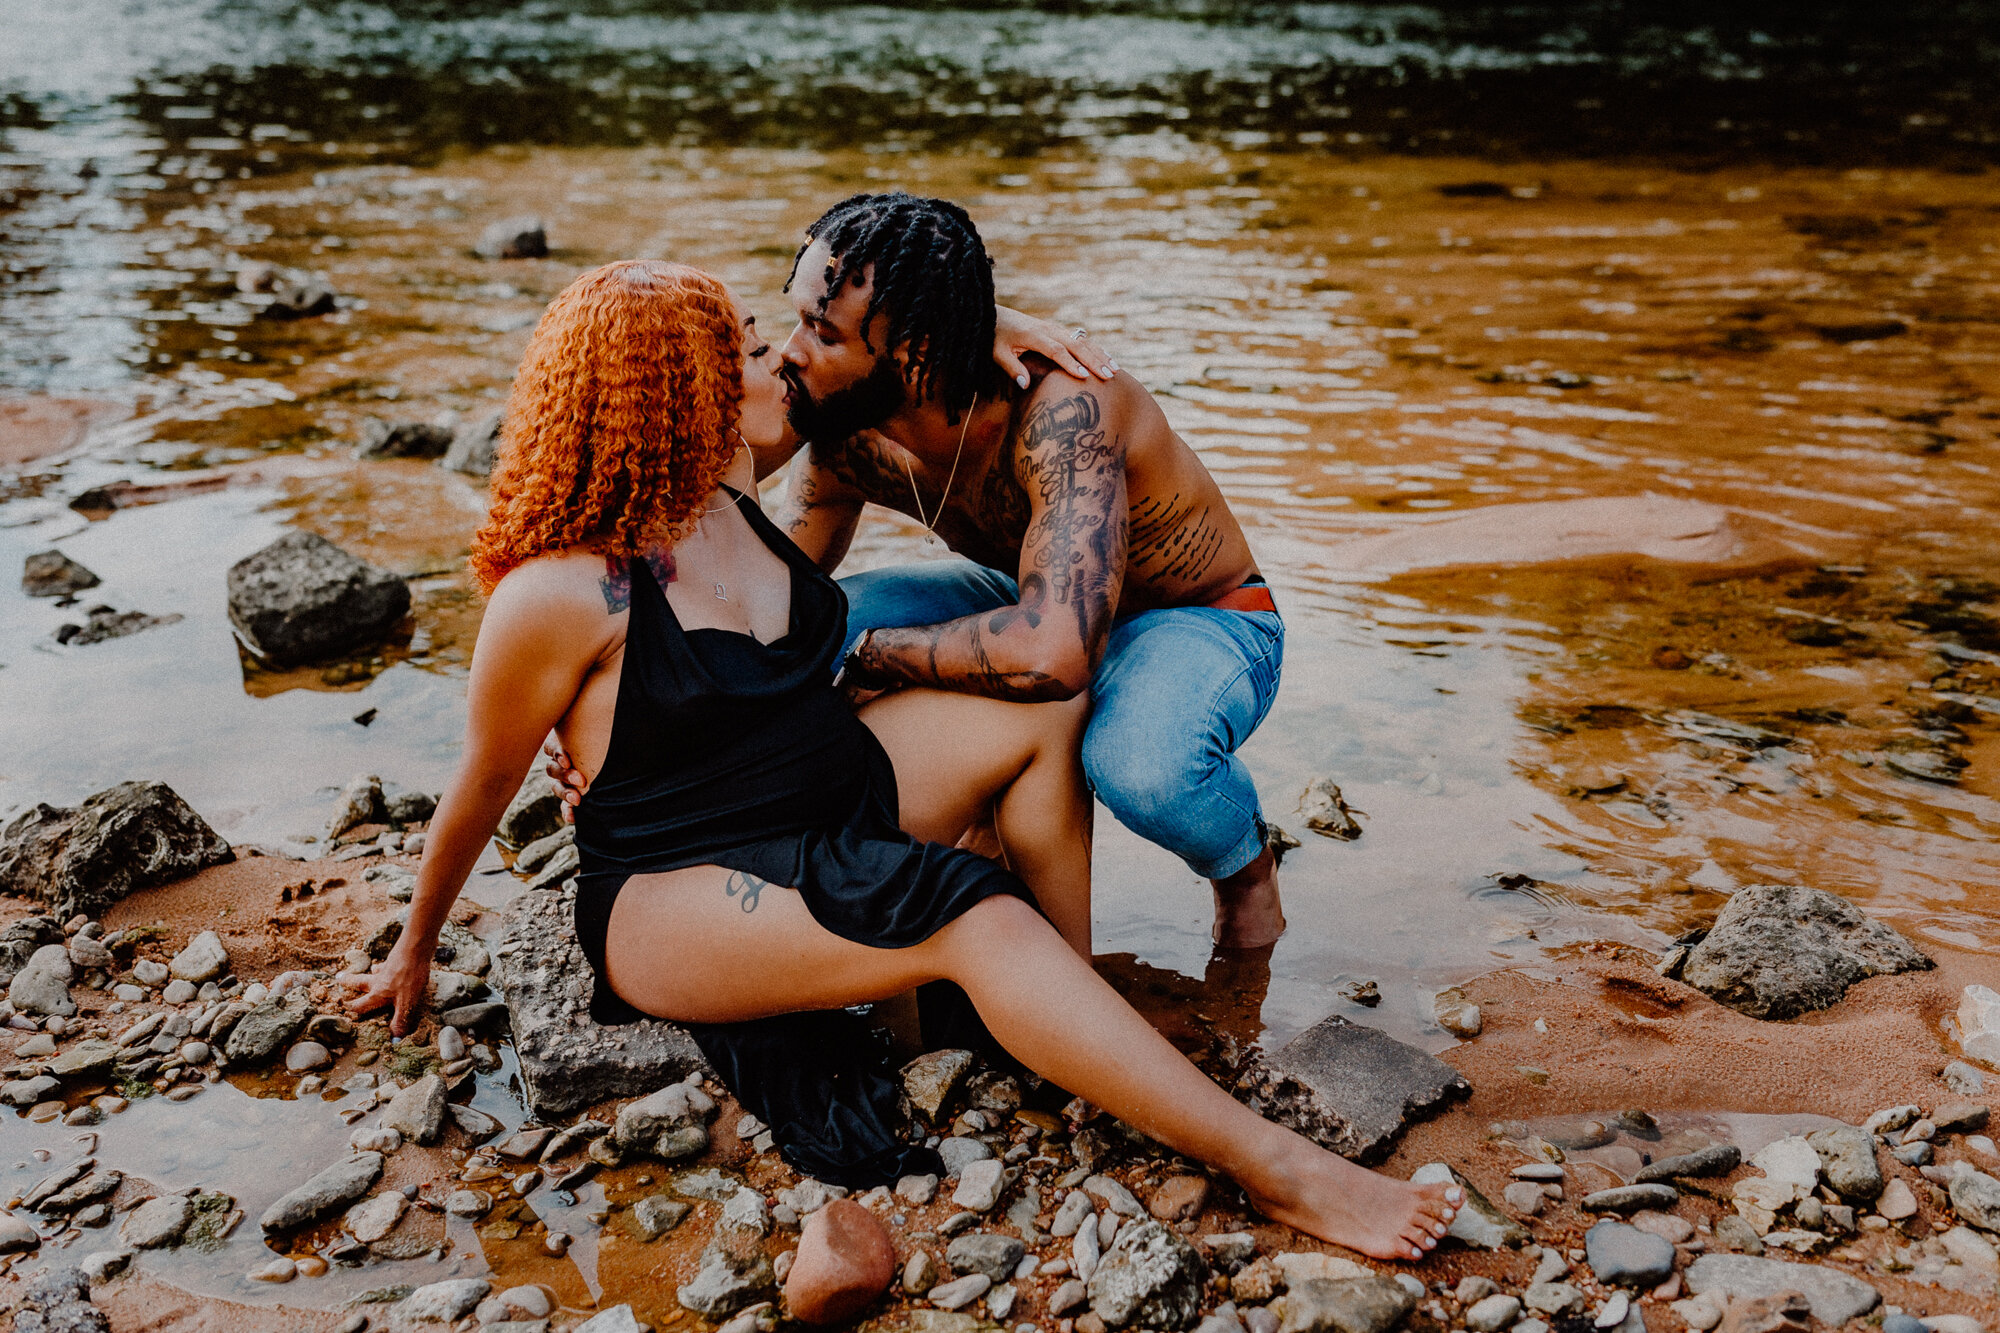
(620, 422)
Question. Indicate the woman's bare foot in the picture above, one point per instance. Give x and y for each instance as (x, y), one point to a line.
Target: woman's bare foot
(1248, 913)
(1326, 1196)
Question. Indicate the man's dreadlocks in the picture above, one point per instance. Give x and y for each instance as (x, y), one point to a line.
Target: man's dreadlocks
(933, 279)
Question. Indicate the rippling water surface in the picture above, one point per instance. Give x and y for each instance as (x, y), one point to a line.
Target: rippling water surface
(1388, 269)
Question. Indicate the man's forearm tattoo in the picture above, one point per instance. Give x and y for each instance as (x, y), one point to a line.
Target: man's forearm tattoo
(746, 884)
(616, 583)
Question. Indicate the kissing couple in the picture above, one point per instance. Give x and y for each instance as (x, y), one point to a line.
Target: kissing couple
(777, 769)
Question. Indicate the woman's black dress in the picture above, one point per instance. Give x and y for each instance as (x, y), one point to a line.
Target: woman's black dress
(732, 752)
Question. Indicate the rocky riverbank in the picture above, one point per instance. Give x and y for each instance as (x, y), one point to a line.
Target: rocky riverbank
(1643, 1156)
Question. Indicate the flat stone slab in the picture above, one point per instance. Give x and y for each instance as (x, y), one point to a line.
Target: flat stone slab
(1835, 1296)
(567, 1061)
(1349, 1087)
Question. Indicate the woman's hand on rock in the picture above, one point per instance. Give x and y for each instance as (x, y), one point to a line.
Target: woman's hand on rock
(397, 980)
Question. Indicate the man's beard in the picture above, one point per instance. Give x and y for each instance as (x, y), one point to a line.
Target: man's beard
(862, 405)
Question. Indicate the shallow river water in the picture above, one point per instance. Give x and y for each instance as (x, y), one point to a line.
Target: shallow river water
(1560, 465)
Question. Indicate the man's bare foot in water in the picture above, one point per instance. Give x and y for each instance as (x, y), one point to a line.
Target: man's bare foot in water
(1329, 1197)
(1248, 914)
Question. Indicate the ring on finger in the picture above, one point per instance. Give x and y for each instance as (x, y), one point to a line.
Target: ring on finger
(1079, 335)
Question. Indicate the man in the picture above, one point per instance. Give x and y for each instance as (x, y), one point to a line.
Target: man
(1100, 553)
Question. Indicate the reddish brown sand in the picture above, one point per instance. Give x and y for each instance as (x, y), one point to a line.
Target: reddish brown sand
(1618, 1036)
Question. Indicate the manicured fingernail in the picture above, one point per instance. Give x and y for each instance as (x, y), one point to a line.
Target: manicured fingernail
(1110, 370)
(1022, 379)
(1454, 1194)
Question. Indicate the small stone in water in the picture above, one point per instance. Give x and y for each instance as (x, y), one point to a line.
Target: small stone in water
(279, 1269)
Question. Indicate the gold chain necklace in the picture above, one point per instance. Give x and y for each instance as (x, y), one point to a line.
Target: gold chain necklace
(930, 524)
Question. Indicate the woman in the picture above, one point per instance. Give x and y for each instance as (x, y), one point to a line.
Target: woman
(741, 859)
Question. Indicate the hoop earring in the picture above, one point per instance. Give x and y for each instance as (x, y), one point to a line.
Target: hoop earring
(743, 446)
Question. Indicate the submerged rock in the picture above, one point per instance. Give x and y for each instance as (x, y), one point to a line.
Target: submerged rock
(475, 448)
(157, 1223)
(302, 598)
(1779, 950)
(53, 574)
(567, 1061)
(1150, 1277)
(1351, 1088)
(81, 859)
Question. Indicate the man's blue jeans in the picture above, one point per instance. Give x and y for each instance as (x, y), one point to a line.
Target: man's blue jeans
(1178, 691)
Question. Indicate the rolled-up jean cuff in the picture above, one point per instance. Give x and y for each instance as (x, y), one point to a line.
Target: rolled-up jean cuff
(1241, 855)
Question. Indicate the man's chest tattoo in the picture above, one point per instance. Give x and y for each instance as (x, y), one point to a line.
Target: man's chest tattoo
(616, 581)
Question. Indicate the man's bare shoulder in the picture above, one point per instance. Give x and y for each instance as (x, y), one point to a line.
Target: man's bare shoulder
(1058, 407)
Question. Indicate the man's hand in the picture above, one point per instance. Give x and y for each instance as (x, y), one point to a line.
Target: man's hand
(1015, 335)
(571, 784)
(399, 979)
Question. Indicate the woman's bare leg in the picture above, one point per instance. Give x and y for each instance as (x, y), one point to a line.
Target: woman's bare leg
(957, 756)
(746, 950)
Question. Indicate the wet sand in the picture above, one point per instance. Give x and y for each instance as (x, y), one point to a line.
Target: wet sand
(1618, 1038)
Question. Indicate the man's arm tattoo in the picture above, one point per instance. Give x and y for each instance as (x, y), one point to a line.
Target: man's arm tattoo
(747, 884)
(1077, 538)
(616, 581)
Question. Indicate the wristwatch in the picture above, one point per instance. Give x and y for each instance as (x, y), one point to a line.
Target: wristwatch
(851, 666)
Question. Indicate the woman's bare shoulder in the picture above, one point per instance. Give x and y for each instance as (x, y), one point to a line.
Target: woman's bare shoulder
(565, 584)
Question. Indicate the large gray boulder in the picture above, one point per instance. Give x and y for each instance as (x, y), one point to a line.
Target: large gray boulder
(303, 598)
(567, 1061)
(1151, 1277)
(1348, 1087)
(1780, 950)
(82, 859)
(476, 446)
